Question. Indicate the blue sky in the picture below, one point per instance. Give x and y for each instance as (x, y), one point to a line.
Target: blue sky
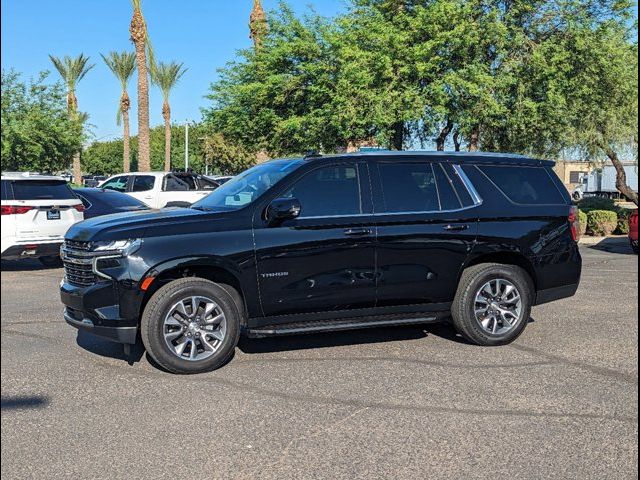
(204, 34)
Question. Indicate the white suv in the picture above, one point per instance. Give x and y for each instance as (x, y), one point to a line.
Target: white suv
(162, 189)
(37, 211)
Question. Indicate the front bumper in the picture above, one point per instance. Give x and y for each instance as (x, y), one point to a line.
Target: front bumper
(126, 335)
(98, 310)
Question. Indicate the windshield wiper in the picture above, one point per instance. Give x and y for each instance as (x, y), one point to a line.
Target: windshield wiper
(201, 208)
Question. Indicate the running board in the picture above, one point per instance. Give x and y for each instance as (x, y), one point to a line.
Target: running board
(300, 328)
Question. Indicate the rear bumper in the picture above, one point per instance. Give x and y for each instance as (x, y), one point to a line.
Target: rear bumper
(557, 293)
(32, 249)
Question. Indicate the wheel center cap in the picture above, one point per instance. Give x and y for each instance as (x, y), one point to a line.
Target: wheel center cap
(193, 327)
(495, 306)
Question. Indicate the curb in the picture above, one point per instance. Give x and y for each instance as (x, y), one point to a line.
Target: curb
(585, 240)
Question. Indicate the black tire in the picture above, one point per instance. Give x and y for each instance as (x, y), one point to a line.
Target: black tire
(634, 247)
(151, 326)
(51, 261)
(463, 308)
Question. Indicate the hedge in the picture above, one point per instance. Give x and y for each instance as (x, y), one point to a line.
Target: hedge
(597, 203)
(623, 221)
(582, 217)
(601, 222)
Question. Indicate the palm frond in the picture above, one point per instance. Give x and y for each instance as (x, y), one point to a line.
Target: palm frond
(166, 76)
(122, 64)
(72, 69)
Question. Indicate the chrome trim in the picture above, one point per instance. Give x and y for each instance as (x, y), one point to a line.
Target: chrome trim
(477, 199)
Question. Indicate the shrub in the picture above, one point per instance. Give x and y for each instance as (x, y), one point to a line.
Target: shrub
(597, 203)
(582, 217)
(601, 222)
(623, 221)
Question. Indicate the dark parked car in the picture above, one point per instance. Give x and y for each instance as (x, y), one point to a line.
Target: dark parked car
(329, 243)
(104, 202)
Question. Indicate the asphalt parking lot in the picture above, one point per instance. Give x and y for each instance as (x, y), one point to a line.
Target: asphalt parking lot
(412, 402)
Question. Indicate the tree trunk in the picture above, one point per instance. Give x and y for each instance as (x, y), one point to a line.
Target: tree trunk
(139, 39)
(126, 140)
(77, 169)
(456, 140)
(166, 114)
(442, 138)
(621, 175)
(474, 139)
(397, 137)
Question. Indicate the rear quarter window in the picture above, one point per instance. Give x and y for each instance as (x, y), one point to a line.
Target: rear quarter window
(524, 185)
(42, 190)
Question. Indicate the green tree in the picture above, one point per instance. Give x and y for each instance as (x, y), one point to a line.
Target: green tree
(72, 70)
(37, 132)
(166, 76)
(123, 65)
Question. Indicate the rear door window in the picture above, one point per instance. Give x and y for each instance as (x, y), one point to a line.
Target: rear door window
(42, 190)
(524, 185)
(143, 183)
(408, 187)
(174, 184)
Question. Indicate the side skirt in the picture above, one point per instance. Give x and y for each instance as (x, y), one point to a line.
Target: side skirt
(297, 327)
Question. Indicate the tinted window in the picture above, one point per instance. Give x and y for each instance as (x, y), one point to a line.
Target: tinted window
(448, 198)
(142, 183)
(119, 184)
(408, 187)
(525, 185)
(5, 189)
(42, 190)
(175, 184)
(206, 184)
(574, 177)
(328, 191)
(109, 199)
(85, 202)
(458, 184)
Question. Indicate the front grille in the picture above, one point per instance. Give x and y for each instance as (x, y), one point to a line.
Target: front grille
(78, 263)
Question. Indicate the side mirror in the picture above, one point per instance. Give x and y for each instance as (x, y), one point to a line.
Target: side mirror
(282, 209)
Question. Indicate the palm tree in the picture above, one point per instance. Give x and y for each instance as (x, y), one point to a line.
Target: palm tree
(258, 27)
(165, 76)
(140, 39)
(72, 70)
(123, 65)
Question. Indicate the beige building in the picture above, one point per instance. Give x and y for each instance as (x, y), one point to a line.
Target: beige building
(570, 172)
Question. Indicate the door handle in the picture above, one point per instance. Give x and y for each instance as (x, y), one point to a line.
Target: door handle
(455, 228)
(358, 232)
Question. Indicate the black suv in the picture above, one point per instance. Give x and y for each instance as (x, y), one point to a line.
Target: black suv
(329, 243)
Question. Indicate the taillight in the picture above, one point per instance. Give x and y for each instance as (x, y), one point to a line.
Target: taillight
(15, 209)
(574, 222)
(80, 207)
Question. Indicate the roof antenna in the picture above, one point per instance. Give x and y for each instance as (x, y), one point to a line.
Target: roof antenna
(312, 154)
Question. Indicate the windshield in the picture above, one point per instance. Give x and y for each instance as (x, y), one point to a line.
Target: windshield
(248, 186)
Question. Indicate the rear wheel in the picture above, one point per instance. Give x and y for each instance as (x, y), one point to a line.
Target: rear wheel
(191, 325)
(634, 246)
(51, 261)
(493, 303)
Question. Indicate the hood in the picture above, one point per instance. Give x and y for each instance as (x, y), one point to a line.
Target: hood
(125, 225)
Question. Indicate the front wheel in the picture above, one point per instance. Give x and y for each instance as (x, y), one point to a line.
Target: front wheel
(191, 325)
(493, 303)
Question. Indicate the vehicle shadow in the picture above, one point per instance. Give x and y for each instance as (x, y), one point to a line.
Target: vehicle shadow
(106, 348)
(619, 245)
(23, 402)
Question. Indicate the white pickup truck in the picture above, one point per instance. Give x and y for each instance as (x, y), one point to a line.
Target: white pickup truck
(162, 189)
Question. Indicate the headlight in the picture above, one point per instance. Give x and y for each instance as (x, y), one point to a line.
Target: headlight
(121, 247)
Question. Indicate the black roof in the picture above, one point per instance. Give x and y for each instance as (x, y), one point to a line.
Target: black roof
(457, 157)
